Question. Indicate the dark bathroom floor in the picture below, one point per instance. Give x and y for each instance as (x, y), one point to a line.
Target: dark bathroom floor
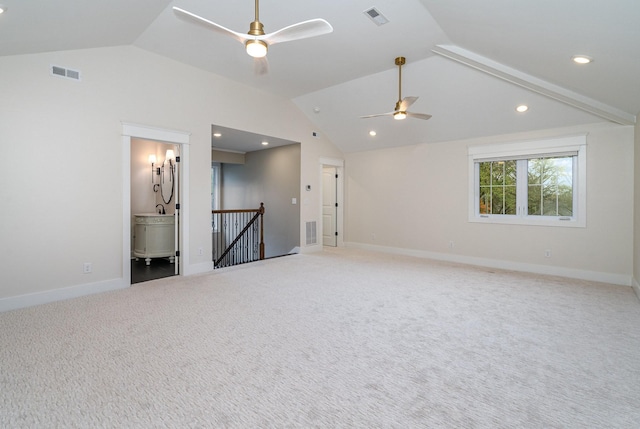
(159, 268)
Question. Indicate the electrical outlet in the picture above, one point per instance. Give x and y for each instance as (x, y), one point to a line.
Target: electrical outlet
(87, 267)
(200, 251)
(547, 253)
(451, 245)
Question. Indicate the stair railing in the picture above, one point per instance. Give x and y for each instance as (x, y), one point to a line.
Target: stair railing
(238, 236)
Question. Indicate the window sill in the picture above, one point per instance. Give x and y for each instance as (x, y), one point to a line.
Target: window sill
(529, 220)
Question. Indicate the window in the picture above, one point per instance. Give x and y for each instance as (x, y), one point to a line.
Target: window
(533, 183)
(215, 186)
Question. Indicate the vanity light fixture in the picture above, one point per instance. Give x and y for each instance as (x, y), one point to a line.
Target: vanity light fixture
(582, 59)
(170, 157)
(154, 169)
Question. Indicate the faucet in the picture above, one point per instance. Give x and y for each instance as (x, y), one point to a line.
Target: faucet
(161, 209)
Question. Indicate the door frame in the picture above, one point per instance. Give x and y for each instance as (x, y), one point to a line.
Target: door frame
(338, 164)
(136, 131)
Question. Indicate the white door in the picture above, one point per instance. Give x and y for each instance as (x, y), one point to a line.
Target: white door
(329, 206)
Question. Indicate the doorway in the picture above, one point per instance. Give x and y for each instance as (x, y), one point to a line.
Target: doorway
(332, 201)
(329, 206)
(132, 167)
(154, 215)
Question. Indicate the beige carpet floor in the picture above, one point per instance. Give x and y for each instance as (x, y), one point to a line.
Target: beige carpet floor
(339, 339)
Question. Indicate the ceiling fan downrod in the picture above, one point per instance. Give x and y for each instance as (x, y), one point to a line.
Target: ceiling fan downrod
(399, 114)
(256, 28)
(256, 48)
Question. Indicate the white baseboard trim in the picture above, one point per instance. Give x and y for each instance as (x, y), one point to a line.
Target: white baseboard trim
(45, 297)
(617, 279)
(311, 249)
(203, 267)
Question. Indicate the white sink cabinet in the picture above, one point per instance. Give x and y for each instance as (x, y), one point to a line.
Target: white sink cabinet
(154, 236)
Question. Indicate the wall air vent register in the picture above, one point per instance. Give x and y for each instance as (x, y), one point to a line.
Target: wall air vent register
(65, 73)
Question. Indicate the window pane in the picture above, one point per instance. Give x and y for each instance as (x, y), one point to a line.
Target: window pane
(550, 186)
(510, 172)
(510, 200)
(485, 200)
(534, 200)
(497, 173)
(497, 202)
(497, 187)
(485, 174)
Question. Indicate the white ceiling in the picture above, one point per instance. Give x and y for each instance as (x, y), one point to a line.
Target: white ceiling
(351, 72)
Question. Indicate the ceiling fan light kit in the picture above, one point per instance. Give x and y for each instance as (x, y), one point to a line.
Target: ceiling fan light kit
(256, 48)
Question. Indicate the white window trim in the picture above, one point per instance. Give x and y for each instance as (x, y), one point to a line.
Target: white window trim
(532, 149)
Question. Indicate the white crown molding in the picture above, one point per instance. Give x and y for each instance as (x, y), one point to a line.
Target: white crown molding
(535, 84)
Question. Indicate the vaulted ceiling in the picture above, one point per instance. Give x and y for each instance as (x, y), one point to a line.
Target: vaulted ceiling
(470, 62)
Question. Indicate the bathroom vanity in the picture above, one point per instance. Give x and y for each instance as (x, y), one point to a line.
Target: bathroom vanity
(154, 236)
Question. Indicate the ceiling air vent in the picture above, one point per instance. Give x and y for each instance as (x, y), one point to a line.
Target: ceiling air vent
(66, 73)
(375, 15)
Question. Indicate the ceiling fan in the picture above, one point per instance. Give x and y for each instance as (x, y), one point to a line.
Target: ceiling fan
(402, 104)
(256, 41)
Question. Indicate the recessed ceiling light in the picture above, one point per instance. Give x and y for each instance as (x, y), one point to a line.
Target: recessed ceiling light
(265, 143)
(582, 59)
(372, 133)
(3, 9)
(217, 135)
(522, 108)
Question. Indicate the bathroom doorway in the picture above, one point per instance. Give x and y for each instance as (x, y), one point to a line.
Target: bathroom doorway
(155, 193)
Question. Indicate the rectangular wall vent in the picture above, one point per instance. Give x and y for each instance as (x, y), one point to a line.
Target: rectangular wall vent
(66, 73)
(375, 15)
(311, 233)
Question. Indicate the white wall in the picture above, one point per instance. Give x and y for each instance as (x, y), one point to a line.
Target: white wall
(53, 127)
(414, 200)
(143, 197)
(271, 176)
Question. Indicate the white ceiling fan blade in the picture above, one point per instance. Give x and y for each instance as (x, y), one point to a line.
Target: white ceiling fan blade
(301, 30)
(419, 115)
(240, 37)
(406, 103)
(378, 114)
(261, 66)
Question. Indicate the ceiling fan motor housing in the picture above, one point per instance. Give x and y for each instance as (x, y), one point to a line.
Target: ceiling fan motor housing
(256, 28)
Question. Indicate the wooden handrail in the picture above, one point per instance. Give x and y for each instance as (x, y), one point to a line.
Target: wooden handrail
(240, 210)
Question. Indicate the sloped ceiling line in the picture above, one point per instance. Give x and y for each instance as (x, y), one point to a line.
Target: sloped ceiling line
(532, 83)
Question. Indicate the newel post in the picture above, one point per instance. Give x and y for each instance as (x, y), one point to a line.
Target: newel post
(261, 211)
